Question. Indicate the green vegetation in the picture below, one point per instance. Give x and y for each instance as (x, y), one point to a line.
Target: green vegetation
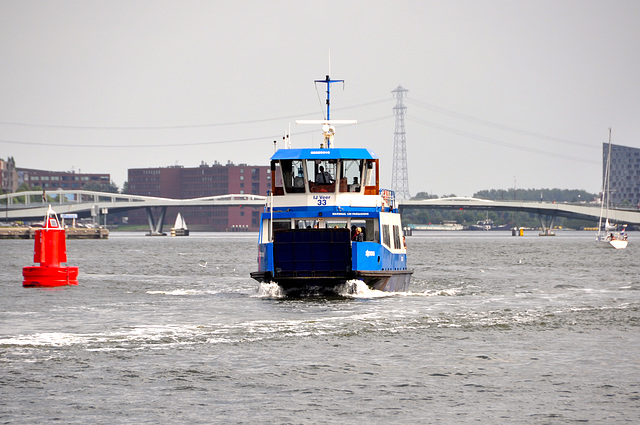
(25, 188)
(520, 219)
(99, 187)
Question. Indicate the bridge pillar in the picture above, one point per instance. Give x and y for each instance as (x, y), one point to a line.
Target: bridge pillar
(155, 229)
(546, 221)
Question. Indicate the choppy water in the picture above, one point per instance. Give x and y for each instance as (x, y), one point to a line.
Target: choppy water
(495, 329)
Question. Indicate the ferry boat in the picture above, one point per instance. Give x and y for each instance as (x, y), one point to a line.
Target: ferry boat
(327, 221)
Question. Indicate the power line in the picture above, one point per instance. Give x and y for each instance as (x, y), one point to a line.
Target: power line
(168, 145)
(182, 126)
(498, 142)
(487, 123)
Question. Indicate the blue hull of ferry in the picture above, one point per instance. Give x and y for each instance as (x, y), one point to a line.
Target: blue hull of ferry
(327, 258)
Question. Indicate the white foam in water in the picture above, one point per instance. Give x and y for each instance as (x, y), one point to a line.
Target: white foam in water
(354, 289)
(441, 292)
(358, 289)
(54, 339)
(270, 290)
(175, 292)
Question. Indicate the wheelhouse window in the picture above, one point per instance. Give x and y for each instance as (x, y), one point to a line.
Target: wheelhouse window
(276, 184)
(322, 175)
(351, 175)
(293, 175)
(371, 177)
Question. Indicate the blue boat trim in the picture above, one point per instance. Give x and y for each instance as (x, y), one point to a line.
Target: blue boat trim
(335, 153)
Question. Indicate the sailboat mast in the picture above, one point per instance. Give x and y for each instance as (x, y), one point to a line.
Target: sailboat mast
(604, 201)
(607, 178)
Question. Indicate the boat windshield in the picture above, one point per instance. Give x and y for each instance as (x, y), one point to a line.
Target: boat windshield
(324, 174)
(293, 175)
(351, 175)
(371, 177)
(318, 175)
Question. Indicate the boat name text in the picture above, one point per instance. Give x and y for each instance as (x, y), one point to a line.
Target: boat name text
(321, 200)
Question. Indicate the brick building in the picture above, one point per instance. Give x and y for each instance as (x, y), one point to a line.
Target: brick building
(206, 180)
(52, 180)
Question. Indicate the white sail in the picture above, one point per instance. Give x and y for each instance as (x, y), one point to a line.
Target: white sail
(180, 227)
(180, 223)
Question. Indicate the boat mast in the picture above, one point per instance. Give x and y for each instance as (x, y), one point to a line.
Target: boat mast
(604, 201)
(608, 180)
(328, 131)
(328, 81)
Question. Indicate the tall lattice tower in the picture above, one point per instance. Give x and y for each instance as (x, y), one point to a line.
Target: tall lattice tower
(400, 173)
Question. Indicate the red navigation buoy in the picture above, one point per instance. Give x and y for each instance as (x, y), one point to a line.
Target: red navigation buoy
(50, 250)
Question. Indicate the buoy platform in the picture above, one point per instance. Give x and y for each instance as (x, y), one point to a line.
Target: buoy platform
(71, 233)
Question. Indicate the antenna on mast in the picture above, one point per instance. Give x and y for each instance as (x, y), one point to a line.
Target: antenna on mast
(328, 131)
(328, 81)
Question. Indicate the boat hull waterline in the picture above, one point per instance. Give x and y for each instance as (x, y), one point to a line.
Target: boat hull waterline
(383, 280)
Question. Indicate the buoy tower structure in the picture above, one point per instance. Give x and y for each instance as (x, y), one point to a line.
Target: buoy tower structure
(50, 250)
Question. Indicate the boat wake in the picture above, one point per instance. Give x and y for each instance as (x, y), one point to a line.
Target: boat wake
(176, 292)
(354, 288)
(269, 290)
(358, 289)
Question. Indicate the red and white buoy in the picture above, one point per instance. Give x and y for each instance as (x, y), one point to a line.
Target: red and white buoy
(50, 250)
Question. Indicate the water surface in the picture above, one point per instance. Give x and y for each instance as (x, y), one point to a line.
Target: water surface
(495, 329)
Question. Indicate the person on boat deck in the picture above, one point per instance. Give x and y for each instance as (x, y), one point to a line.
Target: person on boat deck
(323, 177)
(359, 236)
(354, 186)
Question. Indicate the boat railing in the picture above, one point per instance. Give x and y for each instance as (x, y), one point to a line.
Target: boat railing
(389, 197)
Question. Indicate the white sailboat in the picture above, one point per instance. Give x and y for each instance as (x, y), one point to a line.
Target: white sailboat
(180, 227)
(606, 231)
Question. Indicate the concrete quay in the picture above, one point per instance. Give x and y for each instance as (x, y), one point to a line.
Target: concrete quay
(71, 233)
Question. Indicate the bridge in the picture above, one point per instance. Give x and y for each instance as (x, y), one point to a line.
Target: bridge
(546, 211)
(30, 206)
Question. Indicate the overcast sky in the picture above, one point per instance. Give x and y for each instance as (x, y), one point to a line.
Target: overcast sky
(501, 93)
